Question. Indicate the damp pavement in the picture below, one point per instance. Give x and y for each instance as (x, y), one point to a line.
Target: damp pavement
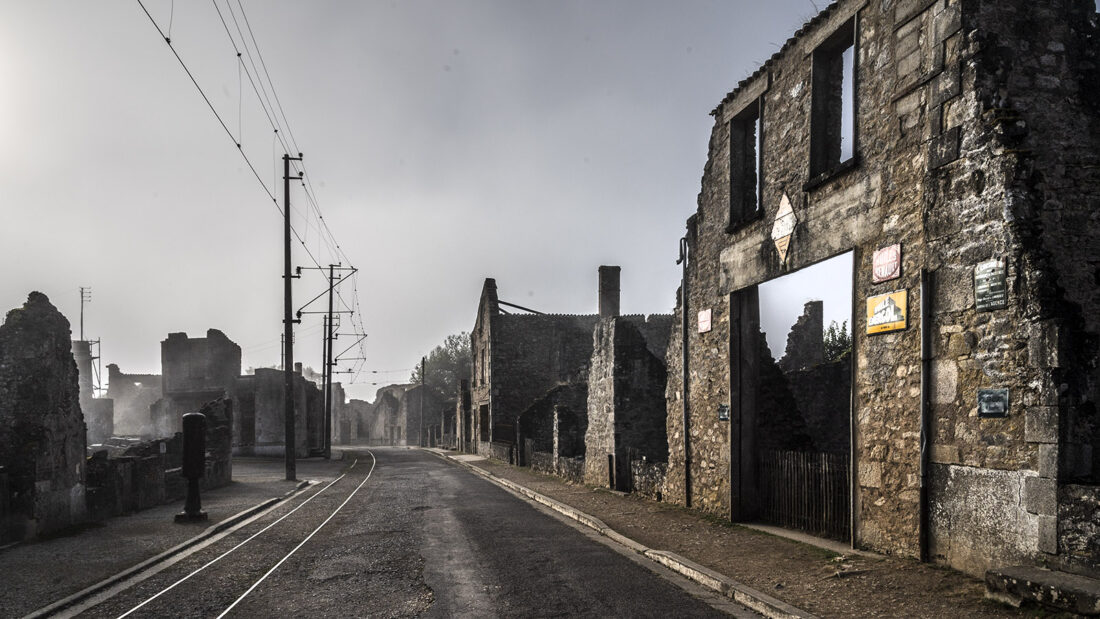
(812, 576)
(445, 534)
(423, 537)
(36, 574)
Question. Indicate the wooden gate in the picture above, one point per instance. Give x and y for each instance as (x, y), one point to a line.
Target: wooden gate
(804, 490)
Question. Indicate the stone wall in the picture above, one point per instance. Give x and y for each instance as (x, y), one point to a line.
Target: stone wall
(647, 478)
(132, 476)
(626, 407)
(355, 411)
(260, 426)
(561, 410)
(382, 425)
(133, 396)
(420, 430)
(976, 140)
(805, 342)
(518, 358)
(42, 432)
(195, 371)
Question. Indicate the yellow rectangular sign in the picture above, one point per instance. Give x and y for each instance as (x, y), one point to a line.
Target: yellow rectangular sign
(886, 312)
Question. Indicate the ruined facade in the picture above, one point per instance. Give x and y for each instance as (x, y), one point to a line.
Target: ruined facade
(133, 396)
(42, 431)
(404, 415)
(194, 371)
(626, 406)
(517, 358)
(964, 133)
(260, 422)
(576, 396)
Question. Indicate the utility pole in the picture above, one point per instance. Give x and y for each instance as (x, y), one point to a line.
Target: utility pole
(288, 325)
(329, 335)
(85, 297)
(423, 389)
(326, 380)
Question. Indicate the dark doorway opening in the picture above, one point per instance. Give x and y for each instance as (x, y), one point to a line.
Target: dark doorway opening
(791, 400)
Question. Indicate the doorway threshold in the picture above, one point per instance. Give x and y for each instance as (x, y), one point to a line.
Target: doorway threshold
(824, 543)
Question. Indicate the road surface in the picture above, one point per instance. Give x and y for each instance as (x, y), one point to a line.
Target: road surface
(405, 533)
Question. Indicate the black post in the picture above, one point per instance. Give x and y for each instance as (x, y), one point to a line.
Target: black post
(288, 327)
(683, 261)
(328, 363)
(325, 344)
(194, 465)
(423, 380)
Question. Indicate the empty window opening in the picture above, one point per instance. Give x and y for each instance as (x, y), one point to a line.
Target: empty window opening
(746, 163)
(833, 109)
(483, 422)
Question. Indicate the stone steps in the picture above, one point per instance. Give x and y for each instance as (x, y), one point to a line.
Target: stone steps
(1061, 590)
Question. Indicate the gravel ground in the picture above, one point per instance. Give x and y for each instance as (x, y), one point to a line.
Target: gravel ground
(819, 581)
(39, 573)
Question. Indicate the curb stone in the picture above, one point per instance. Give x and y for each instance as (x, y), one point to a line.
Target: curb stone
(754, 599)
(111, 581)
(742, 594)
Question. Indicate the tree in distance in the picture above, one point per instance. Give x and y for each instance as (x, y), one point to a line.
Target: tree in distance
(447, 364)
(838, 341)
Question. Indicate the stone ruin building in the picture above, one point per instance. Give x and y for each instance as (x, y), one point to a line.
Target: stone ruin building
(575, 395)
(952, 147)
(57, 470)
(133, 396)
(348, 419)
(194, 371)
(260, 425)
(42, 431)
(394, 418)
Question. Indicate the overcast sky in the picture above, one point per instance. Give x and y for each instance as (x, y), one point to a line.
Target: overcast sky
(446, 142)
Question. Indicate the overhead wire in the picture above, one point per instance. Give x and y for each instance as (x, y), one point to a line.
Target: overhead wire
(324, 232)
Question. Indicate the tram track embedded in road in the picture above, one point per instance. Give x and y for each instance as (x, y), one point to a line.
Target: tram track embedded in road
(254, 536)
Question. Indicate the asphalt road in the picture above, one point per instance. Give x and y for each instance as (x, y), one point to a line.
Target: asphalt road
(418, 537)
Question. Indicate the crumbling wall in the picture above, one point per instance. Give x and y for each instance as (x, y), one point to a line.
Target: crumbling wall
(805, 341)
(626, 408)
(128, 476)
(531, 355)
(977, 141)
(195, 371)
(554, 423)
(357, 411)
(42, 432)
(133, 396)
(262, 412)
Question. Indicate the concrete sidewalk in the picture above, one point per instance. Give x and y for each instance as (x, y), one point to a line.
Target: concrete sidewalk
(776, 576)
(38, 573)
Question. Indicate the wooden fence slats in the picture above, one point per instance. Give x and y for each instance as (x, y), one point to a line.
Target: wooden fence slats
(807, 491)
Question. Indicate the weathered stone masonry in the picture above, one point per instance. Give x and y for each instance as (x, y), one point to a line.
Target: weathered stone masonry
(517, 358)
(42, 432)
(976, 140)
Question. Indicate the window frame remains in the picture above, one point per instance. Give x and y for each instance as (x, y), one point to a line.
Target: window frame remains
(828, 111)
(746, 161)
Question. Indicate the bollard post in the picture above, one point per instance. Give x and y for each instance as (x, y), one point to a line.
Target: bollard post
(194, 465)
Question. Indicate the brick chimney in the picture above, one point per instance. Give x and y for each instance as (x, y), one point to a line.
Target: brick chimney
(609, 291)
